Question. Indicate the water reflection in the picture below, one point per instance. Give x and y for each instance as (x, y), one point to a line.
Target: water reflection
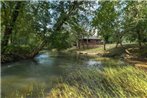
(92, 63)
(43, 70)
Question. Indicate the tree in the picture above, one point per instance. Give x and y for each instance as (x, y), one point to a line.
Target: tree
(135, 21)
(73, 24)
(46, 20)
(9, 24)
(104, 19)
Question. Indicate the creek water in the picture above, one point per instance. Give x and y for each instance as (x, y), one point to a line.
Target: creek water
(42, 71)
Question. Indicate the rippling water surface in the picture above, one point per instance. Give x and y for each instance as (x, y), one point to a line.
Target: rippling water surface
(42, 71)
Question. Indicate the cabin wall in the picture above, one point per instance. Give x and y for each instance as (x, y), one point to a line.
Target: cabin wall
(89, 42)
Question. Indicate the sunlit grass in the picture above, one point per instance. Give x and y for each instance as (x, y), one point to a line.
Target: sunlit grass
(17, 87)
(119, 82)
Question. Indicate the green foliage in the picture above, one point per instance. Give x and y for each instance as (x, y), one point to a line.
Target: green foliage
(135, 17)
(121, 20)
(21, 50)
(37, 21)
(60, 40)
(61, 24)
(104, 19)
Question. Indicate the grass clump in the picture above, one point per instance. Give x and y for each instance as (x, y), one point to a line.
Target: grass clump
(119, 82)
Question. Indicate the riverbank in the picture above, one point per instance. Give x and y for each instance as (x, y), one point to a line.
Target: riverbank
(17, 53)
(129, 52)
(117, 82)
(65, 75)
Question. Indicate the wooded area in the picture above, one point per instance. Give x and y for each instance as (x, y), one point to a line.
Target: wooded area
(28, 26)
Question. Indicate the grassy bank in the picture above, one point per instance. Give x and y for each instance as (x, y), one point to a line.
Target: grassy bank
(129, 52)
(113, 51)
(118, 82)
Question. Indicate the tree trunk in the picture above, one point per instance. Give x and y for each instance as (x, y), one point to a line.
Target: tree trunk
(119, 40)
(87, 42)
(116, 44)
(121, 44)
(104, 43)
(9, 26)
(78, 44)
(83, 44)
(7, 32)
(139, 39)
(36, 50)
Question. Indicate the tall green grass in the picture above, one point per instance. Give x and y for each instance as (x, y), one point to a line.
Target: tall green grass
(119, 82)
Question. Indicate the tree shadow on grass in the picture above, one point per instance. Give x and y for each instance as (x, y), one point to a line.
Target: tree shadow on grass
(131, 50)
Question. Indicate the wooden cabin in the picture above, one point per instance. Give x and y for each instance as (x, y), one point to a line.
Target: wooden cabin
(89, 42)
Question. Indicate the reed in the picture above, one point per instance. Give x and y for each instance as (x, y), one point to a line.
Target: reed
(119, 82)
